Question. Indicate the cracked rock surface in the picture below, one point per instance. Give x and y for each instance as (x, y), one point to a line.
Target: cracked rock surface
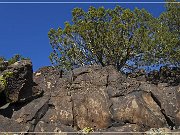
(91, 96)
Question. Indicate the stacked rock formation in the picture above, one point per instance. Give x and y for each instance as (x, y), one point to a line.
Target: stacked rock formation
(91, 96)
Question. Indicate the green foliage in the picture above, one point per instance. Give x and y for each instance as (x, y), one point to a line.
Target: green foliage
(4, 63)
(87, 130)
(112, 37)
(8, 74)
(16, 58)
(171, 19)
(3, 83)
(3, 80)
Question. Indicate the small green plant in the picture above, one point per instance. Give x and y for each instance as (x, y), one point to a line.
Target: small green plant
(3, 80)
(8, 74)
(3, 83)
(16, 58)
(87, 130)
(4, 63)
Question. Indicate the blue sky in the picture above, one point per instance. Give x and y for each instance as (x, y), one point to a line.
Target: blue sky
(24, 27)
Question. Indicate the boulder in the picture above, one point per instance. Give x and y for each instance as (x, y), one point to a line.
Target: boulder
(86, 97)
(168, 99)
(91, 109)
(90, 99)
(138, 108)
(51, 81)
(115, 82)
(46, 78)
(56, 120)
(92, 96)
(62, 102)
(9, 125)
(49, 123)
(18, 82)
(3, 65)
(30, 114)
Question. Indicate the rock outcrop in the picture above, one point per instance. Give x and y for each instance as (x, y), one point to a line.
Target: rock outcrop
(17, 82)
(92, 96)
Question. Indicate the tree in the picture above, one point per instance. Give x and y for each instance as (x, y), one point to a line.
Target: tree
(109, 37)
(171, 19)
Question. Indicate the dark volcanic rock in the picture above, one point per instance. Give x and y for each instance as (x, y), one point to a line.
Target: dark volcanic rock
(51, 81)
(168, 75)
(31, 110)
(46, 78)
(3, 65)
(90, 99)
(91, 96)
(128, 129)
(27, 114)
(49, 125)
(168, 99)
(92, 108)
(61, 100)
(138, 108)
(19, 85)
(9, 125)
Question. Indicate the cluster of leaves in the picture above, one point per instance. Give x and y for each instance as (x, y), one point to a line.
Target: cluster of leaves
(171, 19)
(2, 83)
(87, 130)
(4, 63)
(15, 58)
(115, 36)
(4, 77)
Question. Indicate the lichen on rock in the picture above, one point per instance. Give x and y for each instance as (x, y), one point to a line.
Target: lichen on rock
(3, 80)
(3, 83)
